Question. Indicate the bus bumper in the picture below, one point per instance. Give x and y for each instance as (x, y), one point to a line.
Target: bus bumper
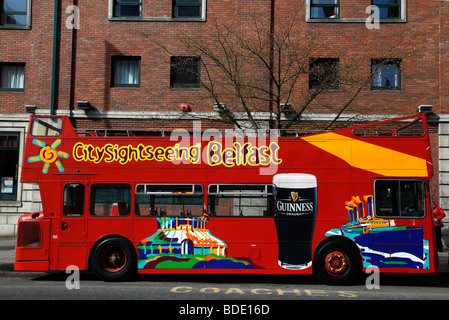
(32, 266)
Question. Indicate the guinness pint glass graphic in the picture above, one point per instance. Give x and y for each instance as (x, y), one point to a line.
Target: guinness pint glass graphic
(296, 202)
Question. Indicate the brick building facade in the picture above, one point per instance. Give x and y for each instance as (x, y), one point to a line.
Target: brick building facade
(119, 57)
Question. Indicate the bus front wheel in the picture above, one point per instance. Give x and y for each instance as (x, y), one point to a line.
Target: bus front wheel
(337, 263)
(114, 259)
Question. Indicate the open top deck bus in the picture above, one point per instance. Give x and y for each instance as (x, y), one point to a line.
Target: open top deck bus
(331, 203)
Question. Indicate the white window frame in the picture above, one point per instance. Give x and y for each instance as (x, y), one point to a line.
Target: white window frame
(28, 24)
(10, 127)
(402, 19)
(163, 18)
(14, 64)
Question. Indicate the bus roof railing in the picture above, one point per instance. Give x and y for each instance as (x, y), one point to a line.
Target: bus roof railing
(408, 126)
(192, 132)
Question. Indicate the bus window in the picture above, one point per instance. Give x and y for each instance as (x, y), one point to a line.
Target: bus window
(110, 199)
(46, 127)
(73, 203)
(392, 129)
(399, 198)
(171, 200)
(234, 200)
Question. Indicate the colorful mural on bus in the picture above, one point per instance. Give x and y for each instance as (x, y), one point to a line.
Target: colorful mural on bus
(381, 241)
(186, 243)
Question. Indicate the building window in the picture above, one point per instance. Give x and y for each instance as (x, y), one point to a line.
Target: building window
(127, 8)
(125, 71)
(388, 9)
(323, 73)
(13, 12)
(12, 76)
(187, 8)
(185, 72)
(9, 160)
(324, 9)
(386, 74)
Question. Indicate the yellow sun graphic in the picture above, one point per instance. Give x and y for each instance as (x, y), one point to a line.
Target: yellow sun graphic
(48, 155)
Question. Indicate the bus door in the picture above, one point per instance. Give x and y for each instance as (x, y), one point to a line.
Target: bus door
(72, 225)
(398, 239)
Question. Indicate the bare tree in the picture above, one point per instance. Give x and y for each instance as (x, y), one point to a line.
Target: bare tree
(275, 68)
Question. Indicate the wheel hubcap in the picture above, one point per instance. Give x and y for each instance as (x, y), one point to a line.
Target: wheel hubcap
(336, 262)
(114, 259)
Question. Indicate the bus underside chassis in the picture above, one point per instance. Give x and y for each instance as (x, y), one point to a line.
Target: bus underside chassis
(114, 259)
(337, 263)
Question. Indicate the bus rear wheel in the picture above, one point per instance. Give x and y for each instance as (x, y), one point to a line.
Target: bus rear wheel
(337, 263)
(114, 259)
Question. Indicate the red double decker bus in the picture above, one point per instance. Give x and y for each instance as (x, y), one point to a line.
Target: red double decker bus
(331, 203)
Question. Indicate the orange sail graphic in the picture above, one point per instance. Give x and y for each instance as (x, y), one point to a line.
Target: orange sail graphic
(368, 156)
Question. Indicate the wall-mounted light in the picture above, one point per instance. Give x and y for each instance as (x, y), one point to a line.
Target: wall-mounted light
(219, 107)
(84, 105)
(184, 107)
(425, 108)
(30, 109)
(290, 114)
(286, 107)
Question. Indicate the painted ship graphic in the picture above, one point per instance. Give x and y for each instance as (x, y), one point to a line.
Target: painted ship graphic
(186, 243)
(382, 242)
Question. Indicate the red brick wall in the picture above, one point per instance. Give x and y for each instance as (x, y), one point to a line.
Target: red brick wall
(32, 47)
(99, 39)
(443, 40)
(416, 41)
(85, 55)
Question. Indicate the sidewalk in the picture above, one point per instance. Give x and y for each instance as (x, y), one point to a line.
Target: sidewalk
(7, 247)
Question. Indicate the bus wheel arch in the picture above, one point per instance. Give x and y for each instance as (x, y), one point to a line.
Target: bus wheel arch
(113, 258)
(337, 261)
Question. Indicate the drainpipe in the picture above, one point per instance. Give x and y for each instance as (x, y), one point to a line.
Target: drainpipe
(55, 48)
(272, 17)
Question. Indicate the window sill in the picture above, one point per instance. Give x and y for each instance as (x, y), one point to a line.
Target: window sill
(185, 87)
(354, 20)
(156, 19)
(10, 203)
(125, 87)
(11, 90)
(13, 27)
(385, 89)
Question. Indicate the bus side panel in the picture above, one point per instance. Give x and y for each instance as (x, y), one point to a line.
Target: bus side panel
(119, 226)
(252, 242)
(72, 255)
